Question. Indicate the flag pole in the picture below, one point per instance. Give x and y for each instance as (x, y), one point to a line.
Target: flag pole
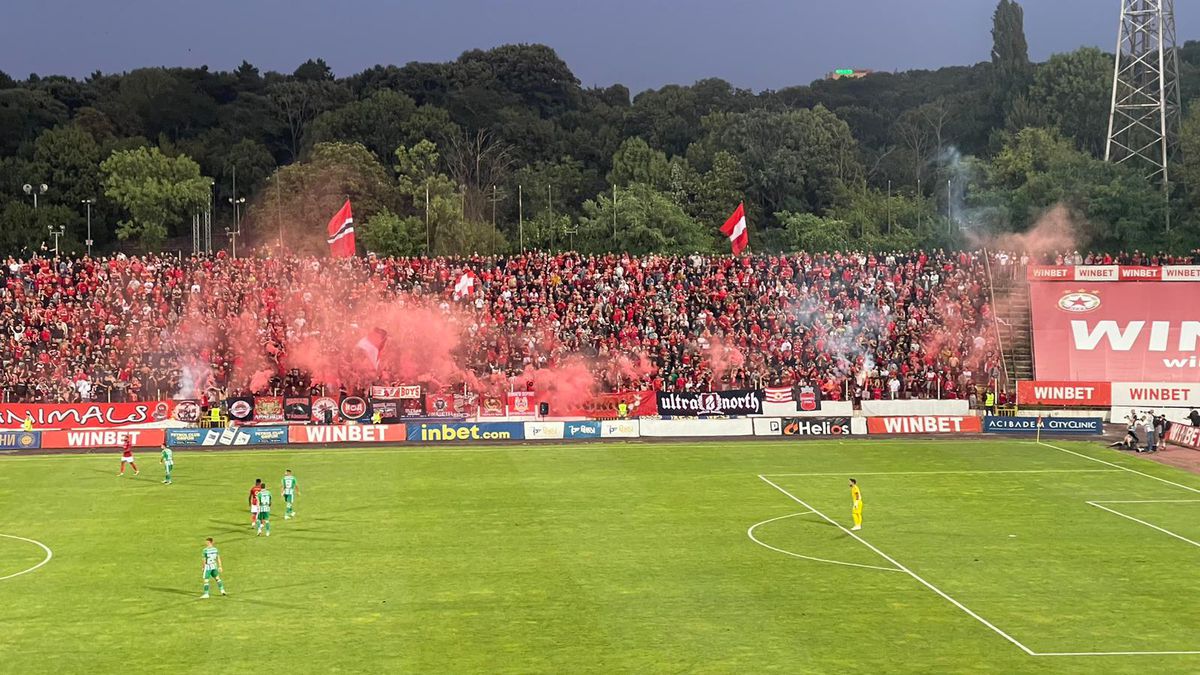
(520, 218)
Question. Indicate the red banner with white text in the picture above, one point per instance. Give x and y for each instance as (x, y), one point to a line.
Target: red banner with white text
(1129, 332)
(95, 439)
(1041, 392)
(1181, 434)
(83, 415)
(924, 424)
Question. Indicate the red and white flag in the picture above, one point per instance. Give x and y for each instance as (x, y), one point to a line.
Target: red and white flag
(372, 343)
(779, 395)
(341, 233)
(735, 230)
(465, 285)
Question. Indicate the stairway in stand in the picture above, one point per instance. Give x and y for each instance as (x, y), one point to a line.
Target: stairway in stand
(1015, 323)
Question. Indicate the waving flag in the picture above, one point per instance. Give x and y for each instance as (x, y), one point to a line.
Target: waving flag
(465, 285)
(372, 343)
(735, 230)
(341, 233)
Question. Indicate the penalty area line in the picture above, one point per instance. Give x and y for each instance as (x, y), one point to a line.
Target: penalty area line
(1123, 468)
(49, 554)
(902, 568)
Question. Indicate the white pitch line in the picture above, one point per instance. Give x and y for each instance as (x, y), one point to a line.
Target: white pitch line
(1160, 653)
(1123, 468)
(902, 568)
(49, 555)
(750, 533)
(1150, 525)
(1145, 501)
(941, 473)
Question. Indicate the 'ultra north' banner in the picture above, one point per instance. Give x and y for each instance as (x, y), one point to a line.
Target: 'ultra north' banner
(1113, 331)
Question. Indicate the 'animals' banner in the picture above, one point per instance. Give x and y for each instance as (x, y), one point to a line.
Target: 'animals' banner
(83, 415)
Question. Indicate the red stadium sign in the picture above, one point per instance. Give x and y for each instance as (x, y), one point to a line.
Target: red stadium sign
(84, 415)
(104, 438)
(346, 433)
(924, 424)
(1040, 392)
(1181, 434)
(1130, 332)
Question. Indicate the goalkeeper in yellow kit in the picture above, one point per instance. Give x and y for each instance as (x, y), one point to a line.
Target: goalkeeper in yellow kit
(856, 508)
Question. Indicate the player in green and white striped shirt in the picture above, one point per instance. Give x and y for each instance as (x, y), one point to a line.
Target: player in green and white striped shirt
(264, 511)
(168, 462)
(289, 494)
(212, 567)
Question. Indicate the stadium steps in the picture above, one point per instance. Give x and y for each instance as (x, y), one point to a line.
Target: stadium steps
(1012, 309)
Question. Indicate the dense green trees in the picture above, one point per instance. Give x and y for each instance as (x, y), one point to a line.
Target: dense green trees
(512, 150)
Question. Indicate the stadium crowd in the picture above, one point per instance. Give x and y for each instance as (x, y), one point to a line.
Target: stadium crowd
(904, 324)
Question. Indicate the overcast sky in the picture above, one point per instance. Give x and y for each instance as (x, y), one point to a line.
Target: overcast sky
(757, 44)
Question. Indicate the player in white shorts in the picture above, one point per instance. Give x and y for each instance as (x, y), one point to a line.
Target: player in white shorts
(258, 487)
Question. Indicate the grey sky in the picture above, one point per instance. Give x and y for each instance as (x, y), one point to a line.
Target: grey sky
(641, 43)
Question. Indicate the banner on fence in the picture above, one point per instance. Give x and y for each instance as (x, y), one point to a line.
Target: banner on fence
(240, 408)
(491, 406)
(1187, 436)
(1079, 394)
(187, 410)
(20, 440)
(346, 433)
(581, 430)
(103, 438)
(637, 404)
(297, 409)
(816, 426)
(450, 405)
(355, 408)
(325, 410)
(387, 409)
(924, 424)
(521, 404)
(693, 404)
(1049, 425)
(84, 415)
(459, 432)
(400, 392)
(268, 408)
(232, 436)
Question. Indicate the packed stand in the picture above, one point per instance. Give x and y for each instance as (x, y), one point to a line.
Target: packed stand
(860, 326)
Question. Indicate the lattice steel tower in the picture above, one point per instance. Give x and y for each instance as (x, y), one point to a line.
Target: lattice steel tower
(1143, 123)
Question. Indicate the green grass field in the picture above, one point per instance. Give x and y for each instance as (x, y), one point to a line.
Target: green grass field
(609, 558)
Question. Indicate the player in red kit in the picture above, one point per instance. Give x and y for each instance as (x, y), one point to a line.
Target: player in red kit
(127, 456)
(258, 487)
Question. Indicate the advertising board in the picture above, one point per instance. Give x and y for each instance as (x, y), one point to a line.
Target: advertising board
(924, 424)
(346, 433)
(84, 415)
(459, 432)
(232, 436)
(1115, 331)
(102, 438)
(1049, 425)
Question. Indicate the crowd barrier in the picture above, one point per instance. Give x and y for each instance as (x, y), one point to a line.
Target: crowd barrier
(1047, 425)
(909, 407)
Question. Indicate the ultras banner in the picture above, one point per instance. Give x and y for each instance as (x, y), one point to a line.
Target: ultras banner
(733, 402)
(84, 415)
(1114, 331)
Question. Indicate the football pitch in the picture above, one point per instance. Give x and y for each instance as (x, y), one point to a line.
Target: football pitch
(975, 556)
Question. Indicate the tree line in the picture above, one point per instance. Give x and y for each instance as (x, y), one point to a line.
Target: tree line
(503, 148)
